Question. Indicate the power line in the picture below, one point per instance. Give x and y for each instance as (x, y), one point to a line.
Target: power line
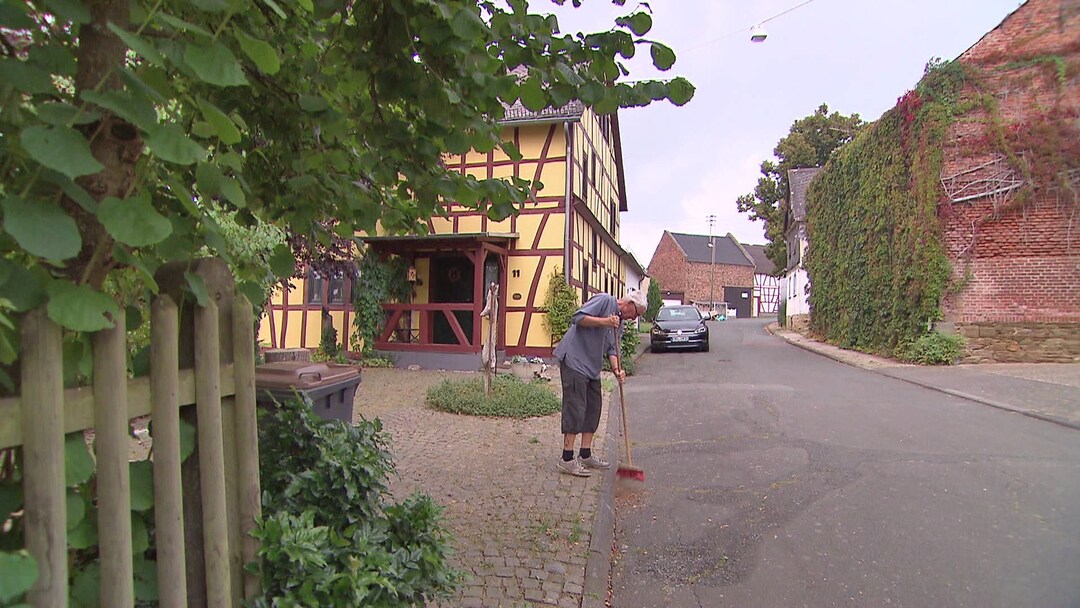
(744, 29)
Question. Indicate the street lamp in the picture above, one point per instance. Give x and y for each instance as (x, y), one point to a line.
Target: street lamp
(711, 219)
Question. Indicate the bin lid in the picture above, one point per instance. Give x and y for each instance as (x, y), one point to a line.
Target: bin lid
(301, 374)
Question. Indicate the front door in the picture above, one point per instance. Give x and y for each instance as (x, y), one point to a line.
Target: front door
(451, 282)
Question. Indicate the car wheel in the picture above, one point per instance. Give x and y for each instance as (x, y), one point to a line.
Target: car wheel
(656, 348)
(705, 347)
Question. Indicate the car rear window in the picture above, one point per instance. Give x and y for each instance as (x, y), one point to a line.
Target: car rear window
(687, 313)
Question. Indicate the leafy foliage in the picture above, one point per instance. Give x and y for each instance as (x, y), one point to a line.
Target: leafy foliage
(377, 361)
(329, 535)
(379, 281)
(809, 143)
(656, 301)
(933, 348)
(876, 261)
(80, 479)
(123, 120)
(510, 398)
(628, 350)
(560, 304)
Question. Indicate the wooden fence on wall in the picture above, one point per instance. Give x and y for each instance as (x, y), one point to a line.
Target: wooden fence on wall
(204, 508)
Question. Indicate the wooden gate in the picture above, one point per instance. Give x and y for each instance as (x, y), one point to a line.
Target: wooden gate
(203, 509)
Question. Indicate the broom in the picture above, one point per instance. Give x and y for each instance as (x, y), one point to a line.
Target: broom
(628, 470)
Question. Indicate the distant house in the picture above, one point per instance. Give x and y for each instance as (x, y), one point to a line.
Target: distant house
(571, 225)
(688, 272)
(766, 283)
(635, 274)
(796, 282)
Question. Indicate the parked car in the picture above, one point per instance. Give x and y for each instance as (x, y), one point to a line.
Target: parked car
(679, 327)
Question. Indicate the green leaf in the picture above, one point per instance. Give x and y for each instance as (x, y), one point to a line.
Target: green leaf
(313, 103)
(84, 589)
(532, 95)
(140, 539)
(141, 474)
(20, 572)
(639, 23)
(260, 52)
(80, 308)
(55, 59)
(277, 9)
(214, 63)
(282, 262)
(140, 45)
(210, 6)
(223, 126)
(662, 57)
(181, 25)
(22, 287)
(680, 91)
(198, 288)
(134, 221)
(25, 77)
(41, 229)
(146, 587)
(70, 10)
(466, 23)
(169, 143)
(187, 439)
(137, 110)
(76, 509)
(78, 465)
(64, 114)
(60, 148)
(231, 189)
(208, 178)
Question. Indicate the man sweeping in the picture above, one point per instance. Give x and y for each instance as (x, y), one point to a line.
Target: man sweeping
(595, 332)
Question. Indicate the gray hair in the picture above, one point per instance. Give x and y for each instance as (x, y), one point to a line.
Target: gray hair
(638, 298)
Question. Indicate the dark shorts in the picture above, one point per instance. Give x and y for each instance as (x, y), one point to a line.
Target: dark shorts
(581, 402)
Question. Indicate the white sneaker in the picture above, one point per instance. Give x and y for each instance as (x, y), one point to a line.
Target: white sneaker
(592, 462)
(573, 467)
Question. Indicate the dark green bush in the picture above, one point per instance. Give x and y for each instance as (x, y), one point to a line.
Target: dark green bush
(510, 398)
(934, 348)
(330, 536)
(560, 305)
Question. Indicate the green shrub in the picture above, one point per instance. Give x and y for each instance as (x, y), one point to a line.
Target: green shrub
(560, 305)
(934, 348)
(654, 298)
(329, 534)
(377, 361)
(630, 341)
(510, 398)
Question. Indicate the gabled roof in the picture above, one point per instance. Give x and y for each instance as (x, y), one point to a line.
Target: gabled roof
(633, 263)
(696, 247)
(518, 113)
(762, 263)
(799, 182)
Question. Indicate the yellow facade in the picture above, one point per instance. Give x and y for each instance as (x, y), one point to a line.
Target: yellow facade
(529, 246)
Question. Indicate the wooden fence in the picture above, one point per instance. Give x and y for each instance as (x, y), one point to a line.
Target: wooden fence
(204, 508)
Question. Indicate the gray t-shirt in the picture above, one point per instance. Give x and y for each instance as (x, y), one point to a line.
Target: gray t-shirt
(583, 349)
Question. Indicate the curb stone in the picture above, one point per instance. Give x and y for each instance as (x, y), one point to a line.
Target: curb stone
(601, 543)
(881, 366)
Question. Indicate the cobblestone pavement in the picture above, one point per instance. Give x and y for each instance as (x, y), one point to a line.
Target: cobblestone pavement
(522, 530)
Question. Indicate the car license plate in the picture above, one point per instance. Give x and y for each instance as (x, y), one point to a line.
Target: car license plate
(680, 339)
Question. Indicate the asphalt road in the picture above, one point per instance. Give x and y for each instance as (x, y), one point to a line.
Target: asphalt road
(776, 477)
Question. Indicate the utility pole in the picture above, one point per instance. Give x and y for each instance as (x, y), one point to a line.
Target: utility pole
(711, 219)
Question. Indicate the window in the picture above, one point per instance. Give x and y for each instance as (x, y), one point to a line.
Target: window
(314, 285)
(335, 289)
(614, 214)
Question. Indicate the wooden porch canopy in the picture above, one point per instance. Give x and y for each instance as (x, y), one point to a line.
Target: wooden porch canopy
(400, 333)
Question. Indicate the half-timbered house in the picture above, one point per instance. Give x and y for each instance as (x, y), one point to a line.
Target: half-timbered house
(574, 158)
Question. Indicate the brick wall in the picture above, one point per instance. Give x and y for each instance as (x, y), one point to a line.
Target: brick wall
(1019, 268)
(669, 266)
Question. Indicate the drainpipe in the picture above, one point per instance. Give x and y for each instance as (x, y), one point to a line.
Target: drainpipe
(567, 266)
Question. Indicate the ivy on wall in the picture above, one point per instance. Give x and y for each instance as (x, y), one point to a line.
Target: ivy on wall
(877, 262)
(379, 281)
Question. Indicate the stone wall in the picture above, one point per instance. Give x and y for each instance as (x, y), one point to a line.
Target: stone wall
(1021, 342)
(799, 323)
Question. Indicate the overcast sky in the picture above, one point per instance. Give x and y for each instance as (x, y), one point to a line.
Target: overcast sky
(857, 56)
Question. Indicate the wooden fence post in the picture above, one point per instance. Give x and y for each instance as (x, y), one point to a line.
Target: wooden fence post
(247, 437)
(45, 513)
(168, 499)
(112, 449)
